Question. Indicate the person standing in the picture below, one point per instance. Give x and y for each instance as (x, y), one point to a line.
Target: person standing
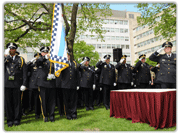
(107, 78)
(143, 76)
(87, 82)
(156, 70)
(68, 83)
(124, 74)
(167, 72)
(15, 81)
(46, 83)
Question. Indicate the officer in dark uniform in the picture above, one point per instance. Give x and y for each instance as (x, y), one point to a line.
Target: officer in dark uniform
(68, 83)
(143, 76)
(124, 74)
(33, 89)
(15, 81)
(167, 74)
(46, 83)
(87, 82)
(107, 78)
(156, 70)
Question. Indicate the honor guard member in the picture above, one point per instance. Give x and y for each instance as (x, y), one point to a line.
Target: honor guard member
(46, 83)
(33, 89)
(124, 74)
(107, 78)
(143, 76)
(68, 83)
(167, 74)
(156, 70)
(87, 82)
(15, 81)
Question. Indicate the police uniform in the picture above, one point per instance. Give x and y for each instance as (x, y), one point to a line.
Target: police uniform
(33, 89)
(167, 72)
(47, 86)
(124, 74)
(107, 79)
(68, 83)
(143, 76)
(86, 83)
(14, 79)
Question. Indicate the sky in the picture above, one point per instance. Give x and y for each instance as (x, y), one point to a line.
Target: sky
(122, 6)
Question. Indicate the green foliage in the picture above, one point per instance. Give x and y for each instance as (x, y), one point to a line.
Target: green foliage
(81, 50)
(161, 17)
(148, 61)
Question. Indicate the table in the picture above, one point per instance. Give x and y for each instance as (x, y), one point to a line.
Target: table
(157, 107)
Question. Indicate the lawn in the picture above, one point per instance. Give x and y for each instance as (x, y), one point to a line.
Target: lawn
(97, 120)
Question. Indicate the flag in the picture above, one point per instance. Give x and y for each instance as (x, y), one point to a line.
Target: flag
(58, 52)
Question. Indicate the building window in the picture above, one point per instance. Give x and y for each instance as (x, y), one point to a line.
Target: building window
(127, 46)
(122, 46)
(126, 30)
(121, 30)
(131, 16)
(30, 55)
(118, 46)
(112, 37)
(126, 38)
(113, 46)
(108, 46)
(111, 21)
(121, 22)
(112, 29)
(117, 37)
(99, 46)
(125, 22)
(106, 21)
(108, 38)
(115, 22)
(103, 46)
(107, 29)
(116, 30)
(122, 38)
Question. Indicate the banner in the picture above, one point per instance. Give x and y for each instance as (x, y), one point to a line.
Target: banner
(58, 52)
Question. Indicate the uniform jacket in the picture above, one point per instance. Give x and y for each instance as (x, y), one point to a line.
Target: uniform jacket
(167, 72)
(16, 68)
(124, 73)
(87, 76)
(142, 73)
(43, 65)
(68, 78)
(32, 74)
(107, 76)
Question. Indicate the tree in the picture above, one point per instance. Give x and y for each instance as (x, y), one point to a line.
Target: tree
(82, 50)
(148, 61)
(161, 17)
(29, 24)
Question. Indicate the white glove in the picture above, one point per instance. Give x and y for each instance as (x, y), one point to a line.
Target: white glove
(22, 88)
(115, 84)
(53, 76)
(141, 58)
(149, 82)
(132, 83)
(100, 88)
(157, 65)
(82, 62)
(77, 87)
(49, 76)
(122, 60)
(7, 51)
(159, 50)
(46, 56)
(94, 86)
(33, 59)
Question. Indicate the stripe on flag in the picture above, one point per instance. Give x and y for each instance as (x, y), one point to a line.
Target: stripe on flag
(58, 53)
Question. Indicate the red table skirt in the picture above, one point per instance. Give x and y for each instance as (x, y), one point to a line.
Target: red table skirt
(155, 108)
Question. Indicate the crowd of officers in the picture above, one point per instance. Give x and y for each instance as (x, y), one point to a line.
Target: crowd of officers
(34, 84)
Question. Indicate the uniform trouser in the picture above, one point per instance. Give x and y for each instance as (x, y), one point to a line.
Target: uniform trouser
(168, 85)
(13, 104)
(143, 85)
(106, 95)
(124, 85)
(70, 101)
(60, 102)
(34, 97)
(88, 97)
(47, 98)
(96, 96)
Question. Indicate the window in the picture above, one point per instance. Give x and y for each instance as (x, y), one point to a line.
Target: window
(127, 46)
(122, 38)
(99, 46)
(115, 22)
(131, 16)
(118, 46)
(108, 37)
(121, 30)
(30, 55)
(107, 29)
(117, 37)
(126, 30)
(116, 30)
(126, 38)
(113, 46)
(112, 29)
(106, 21)
(121, 22)
(94, 37)
(112, 37)
(125, 22)
(103, 46)
(108, 46)
(111, 21)
(122, 46)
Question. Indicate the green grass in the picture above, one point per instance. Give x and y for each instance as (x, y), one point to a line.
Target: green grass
(97, 120)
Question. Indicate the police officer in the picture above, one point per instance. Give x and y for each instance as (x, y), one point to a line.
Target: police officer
(156, 70)
(46, 83)
(15, 81)
(143, 76)
(167, 74)
(68, 83)
(107, 78)
(33, 89)
(87, 82)
(124, 74)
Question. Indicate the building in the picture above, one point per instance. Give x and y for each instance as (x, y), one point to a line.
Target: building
(119, 34)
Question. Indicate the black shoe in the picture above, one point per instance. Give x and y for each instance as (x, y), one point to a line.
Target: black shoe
(16, 122)
(107, 108)
(46, 119)
(69, 118)
(10, 124)
(91, 108)
(74, 118)
(52, 119)
(37, 117)
(87, 109)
